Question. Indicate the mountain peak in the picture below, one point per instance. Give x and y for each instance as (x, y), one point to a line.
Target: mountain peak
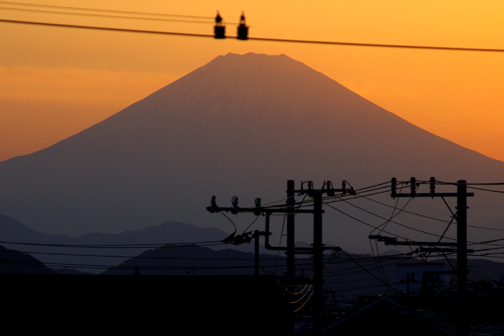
(255, 89)
(251, 55)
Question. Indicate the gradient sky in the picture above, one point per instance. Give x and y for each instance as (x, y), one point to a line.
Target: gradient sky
(55, 82)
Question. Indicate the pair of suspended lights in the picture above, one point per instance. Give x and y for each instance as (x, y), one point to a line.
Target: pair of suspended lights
(220, 28)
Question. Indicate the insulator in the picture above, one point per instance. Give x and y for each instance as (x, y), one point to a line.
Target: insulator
(242, 29)
(219, 28)
(257, 210)
(330, 189)
(218, 19)
(234, 201)
(393, 187)
(213, 206)
(229, 238)
(413, 185)
(220, 32)
(432, 185)
(310, 188)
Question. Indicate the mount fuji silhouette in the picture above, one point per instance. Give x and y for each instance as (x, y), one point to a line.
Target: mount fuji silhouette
(240, 125)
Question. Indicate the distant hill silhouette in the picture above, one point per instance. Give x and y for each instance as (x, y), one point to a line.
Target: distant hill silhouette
(15, 262)
(134, 253)
(63, 251)
(344, 276)
(196, 260)
(240, 125)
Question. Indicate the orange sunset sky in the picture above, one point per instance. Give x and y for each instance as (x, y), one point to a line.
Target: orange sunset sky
(55, 82)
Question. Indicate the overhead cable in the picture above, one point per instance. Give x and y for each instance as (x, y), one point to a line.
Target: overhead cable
(261, 39)
(165, 15)
(102, 15)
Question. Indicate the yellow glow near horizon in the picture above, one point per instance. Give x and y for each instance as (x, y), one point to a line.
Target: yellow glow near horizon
(55, 82)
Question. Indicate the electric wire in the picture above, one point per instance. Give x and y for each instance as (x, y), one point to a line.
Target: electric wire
(99, 28)
(485, 189)
(234, 225)
(379, 216)
(306, 203)
(430, 217)
(117, 246)
(453, 215)
(259, 39)
(468, 183)
(488, 242)
(122, 266)
(166, 19)
(421, 215)
(304, 304)
(305, 291)
(371, 274)
(248, 227)
(370, 264)
(361, 221)
(140, 256)
(381, 228)
(407, 211)
(105, 10)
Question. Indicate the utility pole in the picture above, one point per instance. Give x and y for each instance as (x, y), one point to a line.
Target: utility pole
(460, 245)
(291, 272)
(317, 249)
(291, 201)
(318, 261)
(463, 321)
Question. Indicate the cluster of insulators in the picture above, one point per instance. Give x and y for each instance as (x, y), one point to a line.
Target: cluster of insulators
(220, 28)
(413, 186)
(246, 237)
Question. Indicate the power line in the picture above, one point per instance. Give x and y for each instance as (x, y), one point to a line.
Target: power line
(407, 211)
(378, 228)
(434, 218)
(119, 246)
(140, 256)
(468, 184)
(106, 10)
(377, 45)
(261, 39)
(102, 15)
(122, 30)
(128, 267)
(371, 274)
(488, 190)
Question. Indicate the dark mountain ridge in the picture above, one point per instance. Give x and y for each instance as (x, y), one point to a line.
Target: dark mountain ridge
(95, 249)
(343, 274)
(16, 262)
